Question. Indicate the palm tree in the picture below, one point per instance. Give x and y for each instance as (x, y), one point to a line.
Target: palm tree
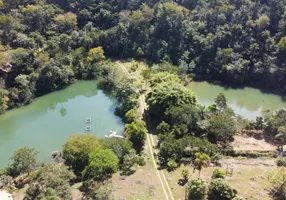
(202, 160)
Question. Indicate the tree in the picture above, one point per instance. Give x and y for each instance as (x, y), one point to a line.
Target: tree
(77, 148)
(221, 103)
(282, 44)
(263, 22)
(23, 161)
(3, 101)
(50, 181)
(120, 147)
(197, 189)
(163, 77)
(221, 128)
(96, 54)
(136, 133)
(66, 22)
(278, 181)
(202, 160)
(102, 163)
(168, 94)
(131, 116)
(170, 149)
(129, 161)
(220, 190)
(186, 115)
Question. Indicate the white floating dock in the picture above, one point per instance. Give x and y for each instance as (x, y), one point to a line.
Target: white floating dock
(113, 134)
(88, 128)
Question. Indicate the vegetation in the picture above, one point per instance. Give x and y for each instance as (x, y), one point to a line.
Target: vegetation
(278, 182)
(77, 148)
(23, 161)
(219, 189)
(201, 161)
(197, 189)
(50, 180)
(102, 163)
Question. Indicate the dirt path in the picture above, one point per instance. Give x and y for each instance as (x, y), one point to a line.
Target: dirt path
(150, 141)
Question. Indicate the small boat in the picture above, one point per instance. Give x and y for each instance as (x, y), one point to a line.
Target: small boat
(88, 128)
(88, 120)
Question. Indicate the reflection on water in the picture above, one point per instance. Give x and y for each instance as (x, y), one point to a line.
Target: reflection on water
(248, 102)
(46, 123)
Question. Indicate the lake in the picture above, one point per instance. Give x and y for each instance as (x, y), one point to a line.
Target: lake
(248, 102)
(47, 122)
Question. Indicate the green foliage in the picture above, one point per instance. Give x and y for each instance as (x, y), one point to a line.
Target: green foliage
(77, 148)
(218, 173)
(278, 182)
(281, 162)
(184, 116)
(23, 161)
(131, 116)
(49, 181)
(136, 133)
(220, 190)
(161, 77)
(202, 160)
(3, 101)
(282, 44)
(168, 94)
(128, 162)
(185, 173)
(197, 189)
(171, 165)
(275, 125)
(221, 128)
(170, 149)
(102, 163)
(120, 147)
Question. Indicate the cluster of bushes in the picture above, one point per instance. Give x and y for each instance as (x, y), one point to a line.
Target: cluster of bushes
(218, 188)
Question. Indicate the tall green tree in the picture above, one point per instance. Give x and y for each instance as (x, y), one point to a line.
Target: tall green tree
(23, 161)
(102, 163)
(77, 148)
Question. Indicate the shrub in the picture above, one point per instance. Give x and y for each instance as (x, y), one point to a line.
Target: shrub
(217, 173)
(171, 165)
(281, 162)
(220, 190)
(197, 189)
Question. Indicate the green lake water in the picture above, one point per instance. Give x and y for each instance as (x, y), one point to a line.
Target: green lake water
(248, 102)
(47, 122)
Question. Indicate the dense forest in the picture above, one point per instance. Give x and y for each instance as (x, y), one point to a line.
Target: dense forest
(54, 42)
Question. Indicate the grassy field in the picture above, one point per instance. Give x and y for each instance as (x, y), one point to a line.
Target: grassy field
(249, 177)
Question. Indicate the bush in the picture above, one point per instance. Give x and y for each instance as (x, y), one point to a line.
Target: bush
(197, 189)
(171, 165)
(220, 190)
(217, 173)
(281, 162)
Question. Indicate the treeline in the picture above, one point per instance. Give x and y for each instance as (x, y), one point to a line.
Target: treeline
(53, 43)
(235, 42)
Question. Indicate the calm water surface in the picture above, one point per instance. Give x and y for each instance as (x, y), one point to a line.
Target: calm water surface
(248, 102)
(46, 123)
